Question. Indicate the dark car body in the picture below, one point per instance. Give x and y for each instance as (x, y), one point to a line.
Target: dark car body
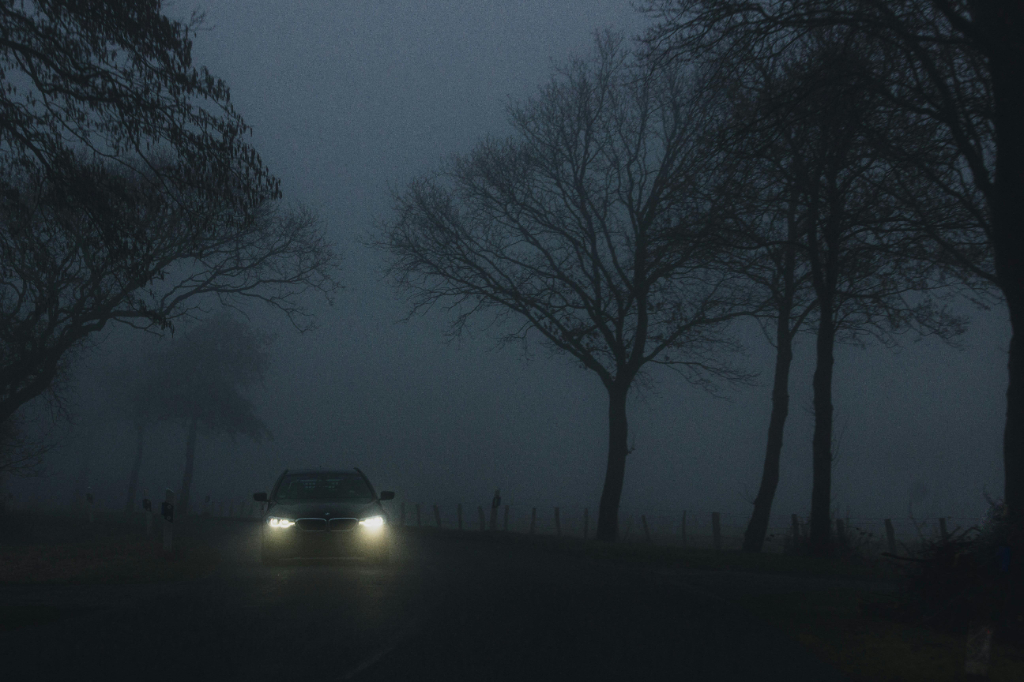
(324, 513)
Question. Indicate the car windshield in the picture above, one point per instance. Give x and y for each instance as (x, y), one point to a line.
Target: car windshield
(320, 486)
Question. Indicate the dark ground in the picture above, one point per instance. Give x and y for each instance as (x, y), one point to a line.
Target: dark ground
(449, 607)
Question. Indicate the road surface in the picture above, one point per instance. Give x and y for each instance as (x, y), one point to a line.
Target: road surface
(449, 607)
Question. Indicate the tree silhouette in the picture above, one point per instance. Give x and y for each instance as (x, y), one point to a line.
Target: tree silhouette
(200, 380)
(951, 66)
(584, 226)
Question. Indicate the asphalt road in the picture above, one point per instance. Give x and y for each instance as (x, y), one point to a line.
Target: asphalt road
(447, 608)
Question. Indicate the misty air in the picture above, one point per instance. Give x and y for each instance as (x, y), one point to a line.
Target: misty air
(575, 340)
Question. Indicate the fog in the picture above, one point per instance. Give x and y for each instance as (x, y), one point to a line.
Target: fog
(350, 100)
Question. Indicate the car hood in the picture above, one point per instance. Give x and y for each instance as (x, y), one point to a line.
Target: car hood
(325, 509)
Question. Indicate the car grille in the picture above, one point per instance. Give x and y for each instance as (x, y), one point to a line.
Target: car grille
(344, 524)
(312, 524)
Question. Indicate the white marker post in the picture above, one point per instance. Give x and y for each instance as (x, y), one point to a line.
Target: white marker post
(167, 511)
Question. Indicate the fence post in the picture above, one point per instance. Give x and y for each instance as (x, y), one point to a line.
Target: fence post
(401, 514)
(647, 532)
(418, 515)
(586, 522)
(890, 534)
(716, 530)
(533, 520)
(168, 518)
(684, 528)
(483, 527)
(437, 516)
(459, 508)
(942, 529)
(558, 524)
(506, 519)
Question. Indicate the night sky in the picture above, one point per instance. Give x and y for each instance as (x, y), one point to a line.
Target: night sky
(349, 101)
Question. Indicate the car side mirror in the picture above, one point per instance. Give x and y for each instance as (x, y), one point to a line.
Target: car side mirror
(386, 495)
(260, 497)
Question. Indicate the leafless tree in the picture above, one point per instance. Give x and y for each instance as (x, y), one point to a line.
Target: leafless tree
(954, 66)
(584, 226)
(68, 267)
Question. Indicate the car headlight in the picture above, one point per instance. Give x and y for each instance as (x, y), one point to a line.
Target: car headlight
(277, 522)
(372, 522)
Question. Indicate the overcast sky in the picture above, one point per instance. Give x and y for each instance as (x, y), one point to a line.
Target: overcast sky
(349, 100)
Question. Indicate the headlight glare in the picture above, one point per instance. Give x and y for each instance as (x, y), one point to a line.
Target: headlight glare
(276, 522)
(372, 522)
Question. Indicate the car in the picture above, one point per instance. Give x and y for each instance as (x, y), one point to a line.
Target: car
(311, 512)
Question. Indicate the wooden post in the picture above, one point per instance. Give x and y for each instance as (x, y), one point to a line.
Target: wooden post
(168, 521)
(942, 529)
(684, 528)
(459, 508)
(716, 530)
(533, 520)
(437, 516)
(482, 526)
(558, 524)
(401, 514)
(505, 522)
(586, 522)
(418, 524)
(647, 532)
(796, 530)
(890, 535)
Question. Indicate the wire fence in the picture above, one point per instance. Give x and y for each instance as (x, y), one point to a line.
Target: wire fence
(694, 528)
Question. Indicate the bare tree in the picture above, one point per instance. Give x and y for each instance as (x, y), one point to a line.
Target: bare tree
(201, 379)
(70, 263)
(115, 79)
(955, 64)
(584, 226)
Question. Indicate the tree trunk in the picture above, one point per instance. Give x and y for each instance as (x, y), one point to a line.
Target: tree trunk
(608, 513)
(820, 539)
(753, 539)
(133, 482)
(186, 480)
(1001, 23)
